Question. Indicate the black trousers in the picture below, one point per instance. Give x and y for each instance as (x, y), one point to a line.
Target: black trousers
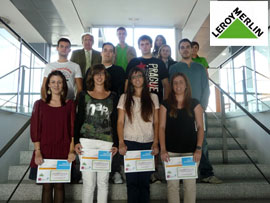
(138, 184)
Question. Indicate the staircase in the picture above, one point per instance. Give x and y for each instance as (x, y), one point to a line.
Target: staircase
(241, 180)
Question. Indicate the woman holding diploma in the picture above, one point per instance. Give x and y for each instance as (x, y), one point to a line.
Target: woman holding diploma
(51, 132)
(137, 129)
(177, 133)
(95, 125)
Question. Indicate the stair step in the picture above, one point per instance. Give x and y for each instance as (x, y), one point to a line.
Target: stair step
(162, 201)
(234, 156)
(227, 190)
(217, 143)
(213, 122)
(223, 171)
(217, 132)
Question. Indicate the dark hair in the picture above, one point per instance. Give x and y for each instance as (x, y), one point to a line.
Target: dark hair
(94, 70)
(159, 51)
(121, 28)
(108, 43)
(193, 43)
(63, 40)
(156, 48)
(146, 100)
(64, 91)
(172, 99)
(184, 40)
(143, 38)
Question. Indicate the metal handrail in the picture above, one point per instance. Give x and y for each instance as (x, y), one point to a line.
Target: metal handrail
(240, 146)
(242, 67)
(14, 138)
(257, 167)
(242, 108)
(7, 101)
(22, 66)
(9, 73)
(256, 72)
(18, 184)
(24, 42)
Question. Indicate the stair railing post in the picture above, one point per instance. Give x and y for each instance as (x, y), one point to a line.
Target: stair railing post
(19, 76)
(22, 90)
(224, 135)
(244, 86)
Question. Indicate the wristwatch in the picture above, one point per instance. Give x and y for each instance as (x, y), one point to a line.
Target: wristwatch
(198, 147)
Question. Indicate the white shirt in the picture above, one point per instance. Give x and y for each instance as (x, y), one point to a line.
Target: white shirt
(70, 70)
(138, 130)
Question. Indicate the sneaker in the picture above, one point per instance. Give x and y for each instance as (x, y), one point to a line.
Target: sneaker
(212, 180)
(117, 179)
(154, 179)
(80, 181)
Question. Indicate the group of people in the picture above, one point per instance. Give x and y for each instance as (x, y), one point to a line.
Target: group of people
(115, 101)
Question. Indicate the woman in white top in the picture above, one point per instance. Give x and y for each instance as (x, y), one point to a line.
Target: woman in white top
(137, 129)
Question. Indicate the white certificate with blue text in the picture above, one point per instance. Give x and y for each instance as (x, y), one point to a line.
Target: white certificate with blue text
(96, 160)
(54, 171)
(139, 161)
(181, 168)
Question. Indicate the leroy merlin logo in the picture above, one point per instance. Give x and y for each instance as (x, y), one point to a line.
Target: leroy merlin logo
(237, 25)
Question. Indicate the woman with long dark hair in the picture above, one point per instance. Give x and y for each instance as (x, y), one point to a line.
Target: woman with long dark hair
(137, 129)
(95, 126)
(177, 133)
(51, 132)
(159, 41)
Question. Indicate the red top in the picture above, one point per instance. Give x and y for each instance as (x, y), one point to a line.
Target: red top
(53, 127)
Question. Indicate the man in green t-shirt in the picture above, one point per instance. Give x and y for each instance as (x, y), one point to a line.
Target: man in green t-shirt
(196, 58)
(123, 52)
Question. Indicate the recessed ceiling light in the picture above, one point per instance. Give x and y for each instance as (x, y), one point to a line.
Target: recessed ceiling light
(223, 54)
(7, 21)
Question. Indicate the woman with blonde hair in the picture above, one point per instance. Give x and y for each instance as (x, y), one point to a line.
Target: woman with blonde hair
(164, 53)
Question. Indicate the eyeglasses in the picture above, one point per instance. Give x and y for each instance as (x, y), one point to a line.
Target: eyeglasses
(136, 77)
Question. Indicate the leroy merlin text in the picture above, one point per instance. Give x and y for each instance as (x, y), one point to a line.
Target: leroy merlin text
(243, 17)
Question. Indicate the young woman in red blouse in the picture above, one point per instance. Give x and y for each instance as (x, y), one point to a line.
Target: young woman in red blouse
(52, 126)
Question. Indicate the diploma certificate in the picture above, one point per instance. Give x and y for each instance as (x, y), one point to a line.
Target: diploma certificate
(181, 168)
(139, 161)
(54, 171)
(95, 160)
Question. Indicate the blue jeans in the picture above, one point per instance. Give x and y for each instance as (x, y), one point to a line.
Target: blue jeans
(205, 167)
(138, 184)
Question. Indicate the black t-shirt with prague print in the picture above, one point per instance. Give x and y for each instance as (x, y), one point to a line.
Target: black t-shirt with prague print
(155, 71)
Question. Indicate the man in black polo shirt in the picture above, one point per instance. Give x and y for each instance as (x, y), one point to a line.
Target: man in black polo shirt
(117, 81)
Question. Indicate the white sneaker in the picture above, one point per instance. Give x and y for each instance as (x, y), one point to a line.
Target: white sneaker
(117, 179)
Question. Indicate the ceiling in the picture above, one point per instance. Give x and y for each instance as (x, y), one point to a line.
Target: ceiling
(70, 18)
(48, 20)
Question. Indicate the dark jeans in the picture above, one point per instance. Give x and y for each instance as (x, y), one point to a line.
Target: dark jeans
(138, 184)
(117, 161)
(205, 167)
